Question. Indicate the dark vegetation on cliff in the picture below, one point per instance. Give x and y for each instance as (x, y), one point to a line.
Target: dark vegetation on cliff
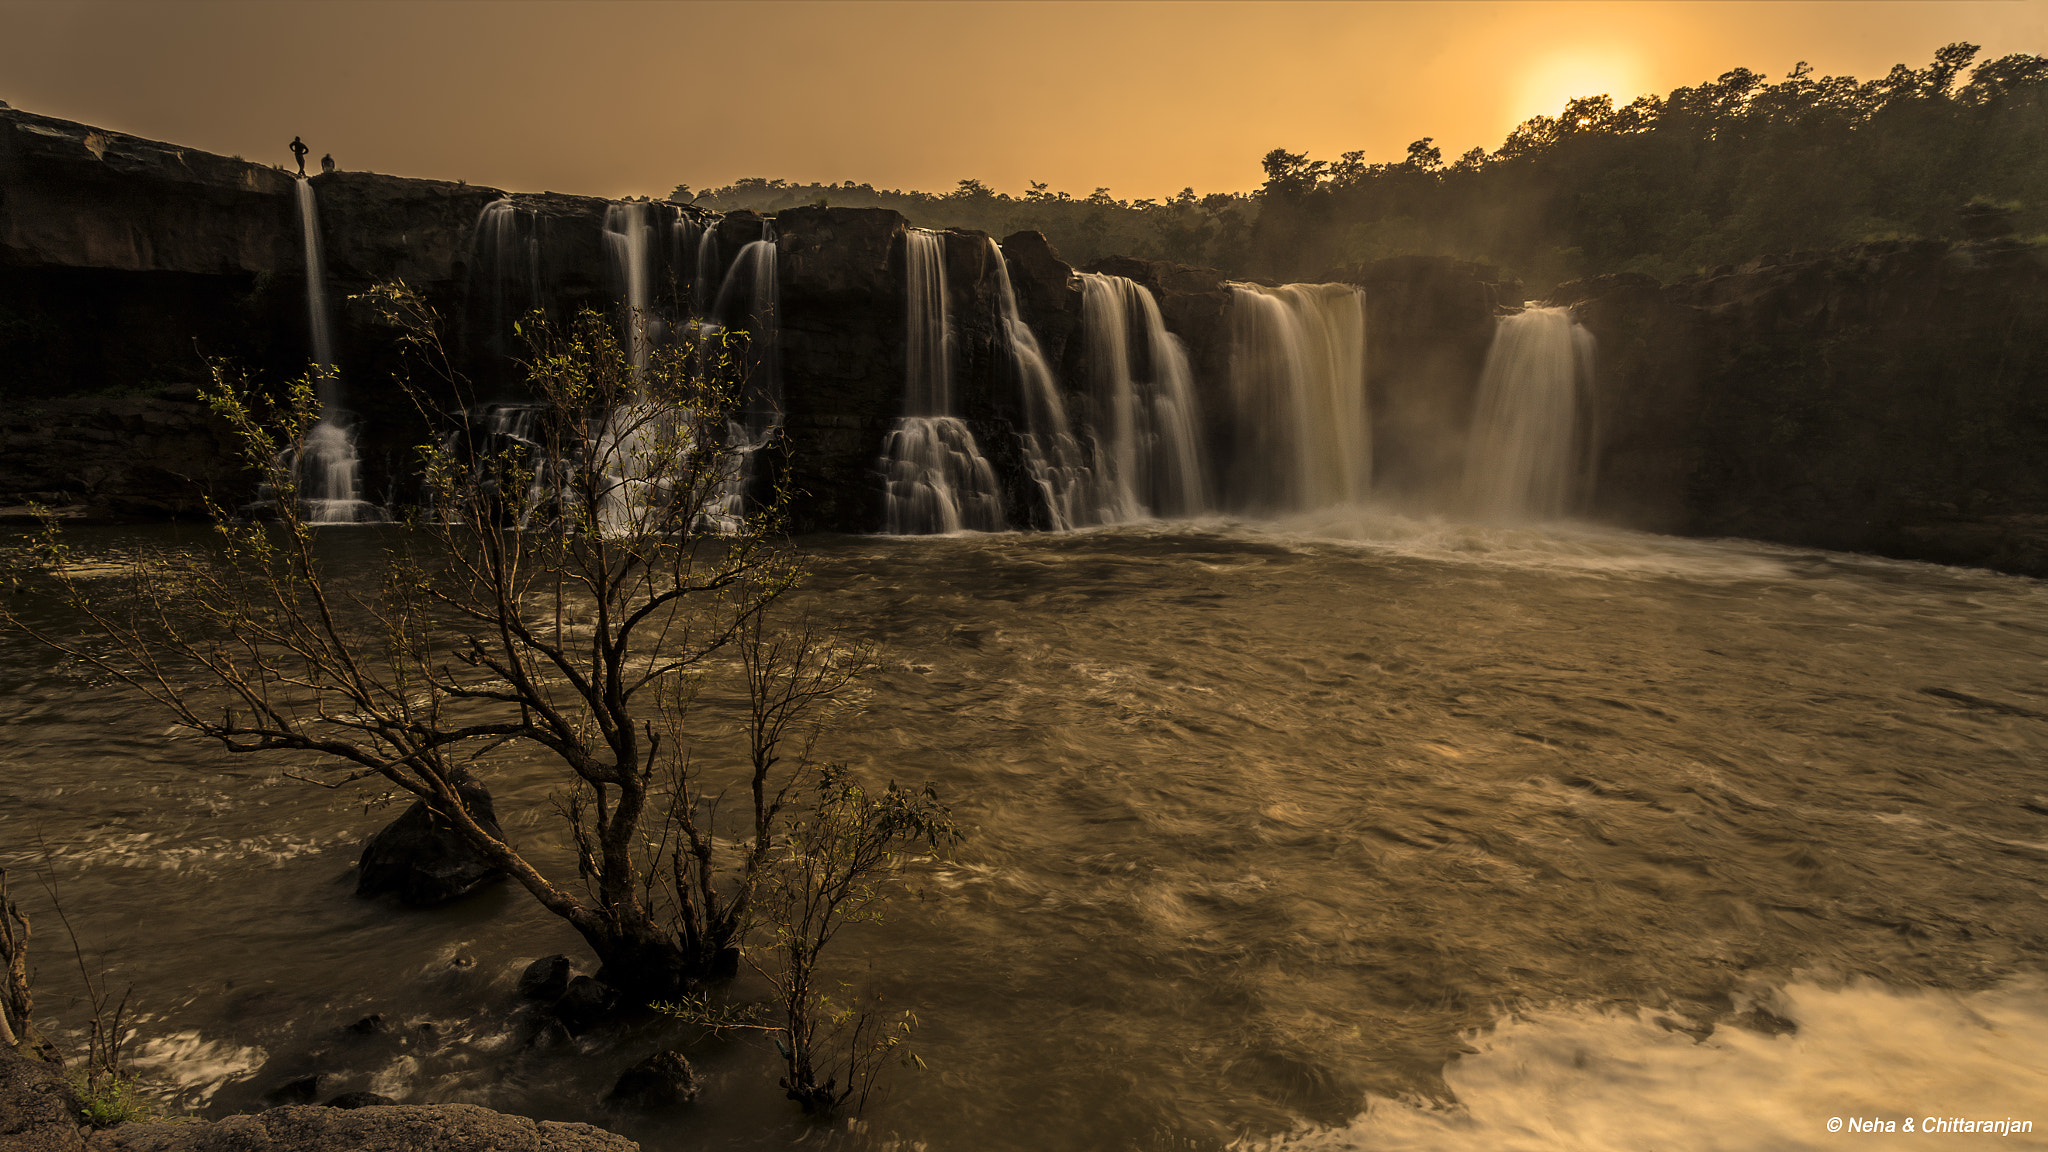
(1709, 175)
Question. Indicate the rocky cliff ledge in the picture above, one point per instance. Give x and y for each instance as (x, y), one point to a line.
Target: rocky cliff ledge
(39, 1113)
(1890, 398)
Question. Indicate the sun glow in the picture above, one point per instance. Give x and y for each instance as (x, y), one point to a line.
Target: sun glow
(1560, 75)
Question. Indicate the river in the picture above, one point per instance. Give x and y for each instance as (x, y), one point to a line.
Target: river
(1351, 830)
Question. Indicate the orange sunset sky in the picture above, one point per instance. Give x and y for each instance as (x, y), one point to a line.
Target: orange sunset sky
(616, 99)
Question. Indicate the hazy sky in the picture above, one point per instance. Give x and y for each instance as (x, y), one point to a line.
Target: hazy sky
(621, 98)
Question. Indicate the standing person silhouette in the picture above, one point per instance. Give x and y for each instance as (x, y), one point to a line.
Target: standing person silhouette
(299, 151)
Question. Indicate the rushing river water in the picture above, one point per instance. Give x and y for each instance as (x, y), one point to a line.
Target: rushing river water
(1347, 832)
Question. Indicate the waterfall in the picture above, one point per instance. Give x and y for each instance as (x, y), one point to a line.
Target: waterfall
(1148, 459)
(316, 294)
(748, 300)
(937, 479)
(1525, 459)
(325, 469)
(505, 275)
(1303, 438)
(1059, 465)
(629, 242)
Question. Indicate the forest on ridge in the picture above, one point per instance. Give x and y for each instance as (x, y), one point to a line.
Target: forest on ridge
(1707, 175)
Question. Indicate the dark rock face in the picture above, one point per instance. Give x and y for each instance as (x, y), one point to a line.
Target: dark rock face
(1645, 398)
(840, 271)
(118, 458)
(38, 1107)
(663, 1080)
(1891, 398)
(421, 857)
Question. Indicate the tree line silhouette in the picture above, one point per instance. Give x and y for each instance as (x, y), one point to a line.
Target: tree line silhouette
(1708, 175)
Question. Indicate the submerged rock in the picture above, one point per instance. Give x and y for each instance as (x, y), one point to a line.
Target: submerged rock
(421, 857)
(662, 1080)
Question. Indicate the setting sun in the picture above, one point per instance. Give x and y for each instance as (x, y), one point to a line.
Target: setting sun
(1564, 74)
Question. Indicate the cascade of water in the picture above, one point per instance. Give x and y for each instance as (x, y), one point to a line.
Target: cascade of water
(1148, 459)
(505, 265)
(316, 290)
(749, 300)
(938, 480)
(1525, 459)
(1058, 464)
(1297, 378)
(703, 288)
(325, 468)
(629, 242)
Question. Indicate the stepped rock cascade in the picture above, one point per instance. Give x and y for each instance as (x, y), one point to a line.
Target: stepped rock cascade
(1527, 457)
(1303, 437)
(326, 470)
(937, 479)
(1060, 466)
(1143, 416)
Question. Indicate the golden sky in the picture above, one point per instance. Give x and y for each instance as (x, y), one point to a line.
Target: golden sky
(624, 98)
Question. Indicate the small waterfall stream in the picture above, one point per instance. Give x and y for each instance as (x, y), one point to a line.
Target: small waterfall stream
(1297, 377)
(1526, 459)
(629, 243)
(326, 471)
(1149, 458)
(1059, 465)
(937, 479)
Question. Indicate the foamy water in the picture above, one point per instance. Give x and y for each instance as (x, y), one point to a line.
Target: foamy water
(1867, 1067)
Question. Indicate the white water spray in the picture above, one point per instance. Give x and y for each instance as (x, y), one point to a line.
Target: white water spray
(937, 479)
(1526, 458)
(1297, 379)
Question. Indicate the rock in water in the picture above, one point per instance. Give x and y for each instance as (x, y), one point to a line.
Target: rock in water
(662, 1080)
(422, 857)
(546, 978)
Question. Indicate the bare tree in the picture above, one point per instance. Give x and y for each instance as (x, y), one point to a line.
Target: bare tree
(17, 1005)
(584, 589)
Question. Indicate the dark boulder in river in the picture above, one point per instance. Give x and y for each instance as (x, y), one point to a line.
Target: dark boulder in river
(662, 1080)
(546, 978)
(421, 857)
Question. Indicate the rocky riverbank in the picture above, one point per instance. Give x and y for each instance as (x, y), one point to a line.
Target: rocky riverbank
(39, 1113)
